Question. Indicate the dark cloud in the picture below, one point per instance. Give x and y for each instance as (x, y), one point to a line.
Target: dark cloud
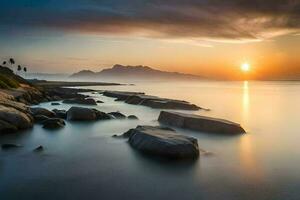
(235, 20)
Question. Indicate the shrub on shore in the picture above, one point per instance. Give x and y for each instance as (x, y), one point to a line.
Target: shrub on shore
(6, 82)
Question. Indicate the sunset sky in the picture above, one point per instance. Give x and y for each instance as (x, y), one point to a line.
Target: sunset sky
(212, 38)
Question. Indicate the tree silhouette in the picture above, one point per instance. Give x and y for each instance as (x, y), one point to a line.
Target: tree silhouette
(12, 62)
(25, 70)
(19, 68)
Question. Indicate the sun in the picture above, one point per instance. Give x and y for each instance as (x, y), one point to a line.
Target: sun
(245, 67)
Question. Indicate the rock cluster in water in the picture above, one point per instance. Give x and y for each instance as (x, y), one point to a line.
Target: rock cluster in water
(137, 98)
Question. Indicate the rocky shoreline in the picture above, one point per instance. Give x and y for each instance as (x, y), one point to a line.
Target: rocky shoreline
(17, 113)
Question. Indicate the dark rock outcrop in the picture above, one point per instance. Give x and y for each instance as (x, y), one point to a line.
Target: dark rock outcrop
(6, 127)
(81, 114)
(102, 115)
(151, 101)
(53, 123)
(10, 146)
(39, 149)
(82, 101)
(55, 104)
(132, 117)
(199, 123)
(42, 111)
(162, 142)
(60, 113)
(117, 115)
(40, 118)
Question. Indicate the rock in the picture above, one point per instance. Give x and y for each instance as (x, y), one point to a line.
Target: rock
(83, 101)
(39, 149)
(121, 96)
(137, 98)
(6, 127)
(10, 146)
(132, 117)
(16, 118)
(81, 114)
(60, 113)
(40, 118)
(162, 142)
(42, 111)
(98, 101)
(55, 104)
(117, 115)
(199, 123)
(102, 115)
(54, 123)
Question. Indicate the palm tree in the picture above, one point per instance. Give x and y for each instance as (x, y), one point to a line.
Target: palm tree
(25, 70)
(19, 68)
(12, 62)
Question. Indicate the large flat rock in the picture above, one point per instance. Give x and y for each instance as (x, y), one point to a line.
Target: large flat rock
(150, 101)
(199, 123)
(162, 142)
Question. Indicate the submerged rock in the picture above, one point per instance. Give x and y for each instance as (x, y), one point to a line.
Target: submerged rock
(83, 101)
(55, 104)
(162, 142)
(39, 149)
(117, 115)
(42, 111)
(199, 123)
(54, 123)
(10, 146)
(81, 114)
(98, 101)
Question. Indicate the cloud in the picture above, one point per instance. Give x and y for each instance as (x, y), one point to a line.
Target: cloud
(214, 20)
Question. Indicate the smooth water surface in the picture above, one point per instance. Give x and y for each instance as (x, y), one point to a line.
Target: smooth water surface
(83, 161)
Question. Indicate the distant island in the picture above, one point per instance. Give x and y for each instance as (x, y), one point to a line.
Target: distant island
(135, 72)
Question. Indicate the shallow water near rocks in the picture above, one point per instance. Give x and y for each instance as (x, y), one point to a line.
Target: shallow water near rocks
(84, 161)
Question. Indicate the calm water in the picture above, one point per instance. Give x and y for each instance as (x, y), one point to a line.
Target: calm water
(83, 161)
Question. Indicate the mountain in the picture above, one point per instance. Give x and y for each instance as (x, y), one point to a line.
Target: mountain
(132, 72)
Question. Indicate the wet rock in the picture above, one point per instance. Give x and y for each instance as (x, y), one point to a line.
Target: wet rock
(98, 101)
(199, 123)
(83, 101)
(117, 115)
(60, 113)
(10, 146)
(40, 118)
(55, 104)
(102, 115)
(39, 149)
(162, 142)
(121, 96)
(7, 127)
(54, 123)
(81, 114)
(132, 117)
(150, 101)
(42, 111)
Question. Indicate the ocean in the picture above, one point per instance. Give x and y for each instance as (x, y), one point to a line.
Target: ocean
(84, 161)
